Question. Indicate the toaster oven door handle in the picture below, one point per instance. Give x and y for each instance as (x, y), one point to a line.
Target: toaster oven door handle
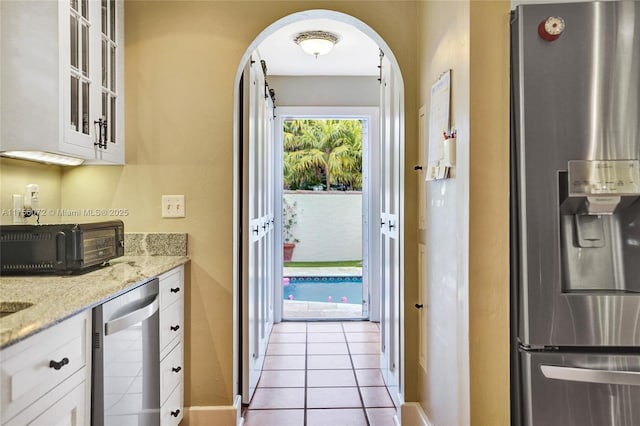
(127, 319)
(61, 248)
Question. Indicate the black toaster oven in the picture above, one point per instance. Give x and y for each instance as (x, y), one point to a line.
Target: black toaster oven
(59, 249)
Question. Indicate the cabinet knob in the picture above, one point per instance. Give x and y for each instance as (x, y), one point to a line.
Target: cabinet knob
(175, 413)
(175, 290)
(418, 305)
(176, 369)
(58, 365)
(175, 327)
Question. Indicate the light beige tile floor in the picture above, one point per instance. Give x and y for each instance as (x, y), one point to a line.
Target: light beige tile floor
(322, 374)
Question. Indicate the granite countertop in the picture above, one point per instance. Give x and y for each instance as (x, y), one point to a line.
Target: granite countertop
(55, 298)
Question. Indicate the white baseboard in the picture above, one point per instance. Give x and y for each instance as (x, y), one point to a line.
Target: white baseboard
(412, 414)
(222, 415)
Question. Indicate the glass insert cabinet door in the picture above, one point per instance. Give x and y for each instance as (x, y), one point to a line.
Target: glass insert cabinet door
(80, 83)
(93, 117)
(109, 89)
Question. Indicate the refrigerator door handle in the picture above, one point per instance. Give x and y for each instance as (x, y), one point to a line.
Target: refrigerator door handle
(612, 377)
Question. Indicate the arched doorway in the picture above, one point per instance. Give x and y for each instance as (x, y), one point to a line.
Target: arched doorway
(257, 230)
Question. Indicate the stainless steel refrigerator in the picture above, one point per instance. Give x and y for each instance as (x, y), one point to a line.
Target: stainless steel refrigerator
(575, 227)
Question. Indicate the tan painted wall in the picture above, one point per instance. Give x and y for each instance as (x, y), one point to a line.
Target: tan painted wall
(180, 63)
(472, 294)
(489, 214)
(14, 177)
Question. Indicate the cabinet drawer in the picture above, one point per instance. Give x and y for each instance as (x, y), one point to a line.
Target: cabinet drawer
(171, 412)
(31, 368)
(70, 410)
(171, 372)
(171, 287)
(67, 404)
(171, 324)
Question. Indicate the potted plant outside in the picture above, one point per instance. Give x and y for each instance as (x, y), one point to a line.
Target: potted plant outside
(289, 220)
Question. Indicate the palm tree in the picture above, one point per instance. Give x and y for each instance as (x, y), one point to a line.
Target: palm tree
(323, 151)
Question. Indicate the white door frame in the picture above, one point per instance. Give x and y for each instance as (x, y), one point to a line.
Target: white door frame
(370, 187)
(237, 194)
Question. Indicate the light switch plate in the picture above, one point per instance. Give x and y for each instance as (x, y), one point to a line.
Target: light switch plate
(173, 206)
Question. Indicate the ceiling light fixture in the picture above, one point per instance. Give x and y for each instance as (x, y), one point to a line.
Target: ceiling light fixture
(316, 43)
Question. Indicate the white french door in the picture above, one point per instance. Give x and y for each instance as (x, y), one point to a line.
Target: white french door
(369, 117)
(391, 135)
(257, 224)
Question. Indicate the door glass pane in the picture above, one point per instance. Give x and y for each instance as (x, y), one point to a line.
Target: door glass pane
(85, 9)
(85, 50)
(112, 86)
(112, 15)
(105, 50)
(85, 107)
(74, 4)
(105, 101)
(74, 103)
(104, 17)
(74, 41)
(112, 121)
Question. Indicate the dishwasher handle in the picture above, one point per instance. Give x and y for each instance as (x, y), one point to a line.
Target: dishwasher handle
(610, 377)
(133, 317)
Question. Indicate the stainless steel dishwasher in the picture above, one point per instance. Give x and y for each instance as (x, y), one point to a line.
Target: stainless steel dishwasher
(126, 359)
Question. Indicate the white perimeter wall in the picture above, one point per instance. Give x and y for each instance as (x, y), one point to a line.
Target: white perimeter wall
(329, 225)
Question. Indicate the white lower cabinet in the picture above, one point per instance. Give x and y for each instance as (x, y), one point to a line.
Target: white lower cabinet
(45, 379)
(171, 372)
(171, 325)
(69, 410)
(171, 411)
(171, 346)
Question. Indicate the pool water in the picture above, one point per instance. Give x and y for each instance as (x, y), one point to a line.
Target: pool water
(323, 289)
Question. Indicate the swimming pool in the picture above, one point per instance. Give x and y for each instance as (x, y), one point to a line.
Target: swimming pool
(323, 289)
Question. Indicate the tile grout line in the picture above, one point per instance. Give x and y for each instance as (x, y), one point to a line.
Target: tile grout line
(306, 366)
(305, 408)
(355, 376)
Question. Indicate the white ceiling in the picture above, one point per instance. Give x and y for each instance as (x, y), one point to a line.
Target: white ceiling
(354, 53)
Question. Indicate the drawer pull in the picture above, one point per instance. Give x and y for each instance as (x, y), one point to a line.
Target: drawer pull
(175, 327)
(58, 365)
(176, 369)
(175, 290)
(175, 413)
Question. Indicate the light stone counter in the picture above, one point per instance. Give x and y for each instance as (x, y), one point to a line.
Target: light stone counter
(55, 298)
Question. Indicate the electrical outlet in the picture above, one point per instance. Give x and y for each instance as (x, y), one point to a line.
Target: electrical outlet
(173, 206)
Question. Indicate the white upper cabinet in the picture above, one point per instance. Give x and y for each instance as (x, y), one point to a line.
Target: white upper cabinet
(62, 78)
